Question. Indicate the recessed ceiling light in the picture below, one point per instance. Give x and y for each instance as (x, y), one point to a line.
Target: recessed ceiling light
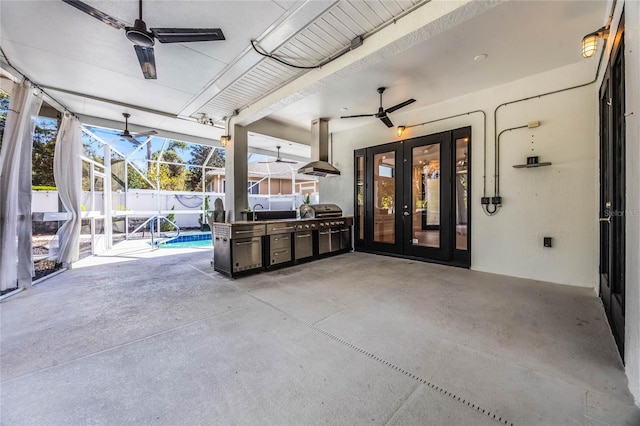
(344, 109)
(480, 57)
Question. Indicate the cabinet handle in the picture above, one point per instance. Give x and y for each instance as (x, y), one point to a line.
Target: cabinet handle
(606, 219)
(303, 236)
(247, 242)
(323, 233)
(245, 232)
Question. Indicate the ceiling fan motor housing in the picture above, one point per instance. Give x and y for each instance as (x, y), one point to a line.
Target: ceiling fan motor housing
(139, 35)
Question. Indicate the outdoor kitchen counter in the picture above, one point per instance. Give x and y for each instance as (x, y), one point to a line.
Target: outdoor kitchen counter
(253, 246)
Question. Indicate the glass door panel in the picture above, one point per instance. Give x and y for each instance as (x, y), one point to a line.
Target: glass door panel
(359, 205)
(384, 190)
(461, 196)
(427, 195)
(360, 197)
(425, 170)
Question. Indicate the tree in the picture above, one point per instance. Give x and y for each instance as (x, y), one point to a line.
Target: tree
(199, 154)
(135, 180)
(44, 145)
(4, 107)
(172, 176)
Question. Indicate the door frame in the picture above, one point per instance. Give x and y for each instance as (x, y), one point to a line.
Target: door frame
(612, 191)
(447, 253)
(443, 252)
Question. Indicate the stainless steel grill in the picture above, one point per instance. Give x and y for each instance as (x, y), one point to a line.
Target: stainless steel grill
(319, 211)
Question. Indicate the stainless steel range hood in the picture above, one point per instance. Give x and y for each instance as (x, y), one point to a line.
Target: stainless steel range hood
(319, 165)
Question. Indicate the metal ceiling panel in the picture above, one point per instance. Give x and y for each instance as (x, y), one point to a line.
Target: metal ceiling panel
(325, 37)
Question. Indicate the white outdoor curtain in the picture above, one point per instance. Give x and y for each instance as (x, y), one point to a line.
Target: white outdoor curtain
(67, 172)
(16, 261)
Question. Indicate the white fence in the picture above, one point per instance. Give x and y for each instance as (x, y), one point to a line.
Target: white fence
(186, 206)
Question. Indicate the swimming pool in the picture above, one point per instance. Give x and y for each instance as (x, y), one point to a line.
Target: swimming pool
(194, 240)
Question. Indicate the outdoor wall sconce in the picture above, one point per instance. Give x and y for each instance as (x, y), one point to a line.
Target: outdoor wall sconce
(590, 41)
(400, 130)
(224, 139)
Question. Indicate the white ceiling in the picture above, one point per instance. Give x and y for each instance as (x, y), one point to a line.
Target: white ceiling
(60, 47)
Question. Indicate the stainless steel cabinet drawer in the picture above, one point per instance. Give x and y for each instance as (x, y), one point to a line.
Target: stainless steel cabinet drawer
(304, 244)
(246, 253)
(280, 228)
(280, 255)
(279, 241)
(245, 231)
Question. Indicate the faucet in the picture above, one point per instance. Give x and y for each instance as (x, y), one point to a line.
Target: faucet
(255, 216)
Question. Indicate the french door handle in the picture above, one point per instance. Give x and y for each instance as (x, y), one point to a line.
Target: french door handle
(406, 213)
(606, 219)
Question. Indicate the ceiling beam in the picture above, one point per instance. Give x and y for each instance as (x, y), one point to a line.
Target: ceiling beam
(275, 129)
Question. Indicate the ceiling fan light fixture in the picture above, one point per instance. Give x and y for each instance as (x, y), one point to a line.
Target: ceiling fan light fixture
(590, 42)
(400, 130)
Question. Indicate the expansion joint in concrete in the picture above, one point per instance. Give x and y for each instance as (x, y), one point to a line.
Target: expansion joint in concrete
(409, 374)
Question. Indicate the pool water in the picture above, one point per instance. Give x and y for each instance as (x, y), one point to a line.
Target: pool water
(195, 240)
(188, 244)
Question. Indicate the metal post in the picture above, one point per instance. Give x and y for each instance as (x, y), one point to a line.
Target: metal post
(92, 206)
(107, 197)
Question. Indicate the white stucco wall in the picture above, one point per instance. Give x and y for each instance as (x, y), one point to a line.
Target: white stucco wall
(557, 201)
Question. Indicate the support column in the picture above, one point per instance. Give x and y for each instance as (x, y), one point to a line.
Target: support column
(236, 175)
(107, 197)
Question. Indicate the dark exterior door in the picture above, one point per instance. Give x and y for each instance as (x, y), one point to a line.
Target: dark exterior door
(612, 192)
(426, 207)
(411, 198)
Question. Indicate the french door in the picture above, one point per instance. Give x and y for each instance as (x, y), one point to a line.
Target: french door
(612, 191)
(411, 198)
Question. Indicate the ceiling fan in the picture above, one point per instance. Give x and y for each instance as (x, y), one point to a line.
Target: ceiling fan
(131, 137)
(382, 113)
(143, 39)
(278, 159)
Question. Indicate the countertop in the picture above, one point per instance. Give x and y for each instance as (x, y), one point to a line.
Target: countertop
(266, 222)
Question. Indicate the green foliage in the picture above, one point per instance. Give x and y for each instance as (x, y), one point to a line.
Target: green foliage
(43, 188)
(44, 145)
(135, 179)
(4, 107)
(199, 154)
(165, 226)
(206, 209)
(171, 177)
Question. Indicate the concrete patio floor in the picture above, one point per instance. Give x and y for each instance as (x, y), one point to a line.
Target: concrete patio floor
(156, 339)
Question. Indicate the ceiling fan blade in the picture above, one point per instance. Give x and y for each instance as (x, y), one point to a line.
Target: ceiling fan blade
(400, 105)
(130, 138)
(99, 15)
(355, 116)
(386, 121)
(186, 35)
(147, 61)
(145, 134)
